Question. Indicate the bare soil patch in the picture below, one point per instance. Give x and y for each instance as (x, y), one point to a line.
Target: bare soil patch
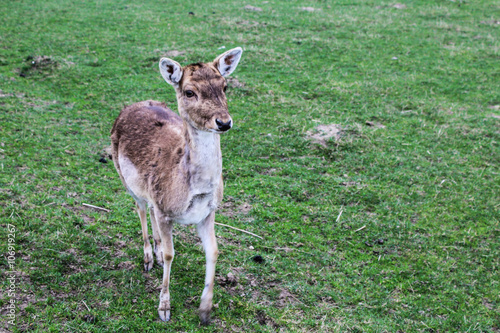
(399, 6)
(309, 9)
(256, 9)
(3, 95)
(265, 320)
(322, 133)
(127, 265)
(231, 209)
(234, 82)
(286, 298)
(174, 53)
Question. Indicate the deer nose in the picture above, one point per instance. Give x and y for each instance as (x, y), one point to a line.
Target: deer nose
(222, 126)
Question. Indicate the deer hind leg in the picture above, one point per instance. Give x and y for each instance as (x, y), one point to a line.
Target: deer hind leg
(165, 231)
(157, 248)
(207, 235)
(148, 251)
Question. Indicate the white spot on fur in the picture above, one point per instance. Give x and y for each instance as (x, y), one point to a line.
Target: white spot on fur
(131, 177)
(177, 130)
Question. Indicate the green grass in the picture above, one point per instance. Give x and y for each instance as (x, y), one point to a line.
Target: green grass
(424, 186)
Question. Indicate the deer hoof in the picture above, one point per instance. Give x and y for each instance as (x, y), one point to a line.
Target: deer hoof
(159, 259)
(148, 265)
(164, 315)
(158, 253)
(205, 317)
(148, 258)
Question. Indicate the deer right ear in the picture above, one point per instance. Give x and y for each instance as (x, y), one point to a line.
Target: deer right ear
(226, 63)
(171, 71)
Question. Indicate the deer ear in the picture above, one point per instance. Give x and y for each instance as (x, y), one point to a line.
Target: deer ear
(171, 71)
(226, 63)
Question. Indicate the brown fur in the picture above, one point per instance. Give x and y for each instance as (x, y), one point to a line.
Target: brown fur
(145, 133)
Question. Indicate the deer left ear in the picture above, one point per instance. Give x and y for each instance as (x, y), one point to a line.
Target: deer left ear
(171, 71)
(226, 63)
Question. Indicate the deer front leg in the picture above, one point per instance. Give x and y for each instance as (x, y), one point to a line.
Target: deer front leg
(207, 235)
(165, 230)
(157, 249)
(148, 251)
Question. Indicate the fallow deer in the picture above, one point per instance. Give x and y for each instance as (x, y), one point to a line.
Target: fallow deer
(173, 165)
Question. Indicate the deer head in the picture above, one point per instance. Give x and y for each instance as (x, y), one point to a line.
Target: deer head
(200, 90)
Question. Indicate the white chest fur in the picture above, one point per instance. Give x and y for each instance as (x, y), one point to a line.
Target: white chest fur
(205, 172)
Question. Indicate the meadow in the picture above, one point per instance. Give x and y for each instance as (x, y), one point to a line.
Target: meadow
(365, 152)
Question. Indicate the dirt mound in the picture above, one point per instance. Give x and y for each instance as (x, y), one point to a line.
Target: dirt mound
(322, 133)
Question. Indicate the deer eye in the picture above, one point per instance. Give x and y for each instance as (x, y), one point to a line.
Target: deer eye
(189, 93)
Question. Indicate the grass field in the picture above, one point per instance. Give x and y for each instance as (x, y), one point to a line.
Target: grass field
(391, 226)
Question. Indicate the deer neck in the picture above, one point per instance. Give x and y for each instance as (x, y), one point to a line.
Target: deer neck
(203, 155)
